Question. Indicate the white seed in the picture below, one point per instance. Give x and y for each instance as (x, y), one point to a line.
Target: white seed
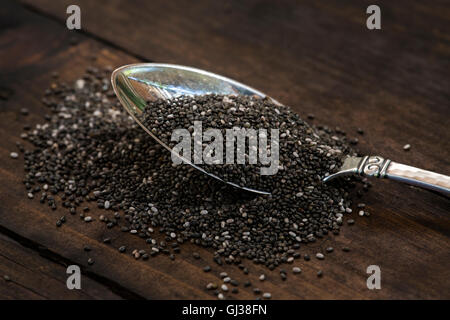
(14, 155)
(267, 295)
(296, 270)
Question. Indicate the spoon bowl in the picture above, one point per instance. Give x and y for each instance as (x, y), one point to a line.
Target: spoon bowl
(136, 84)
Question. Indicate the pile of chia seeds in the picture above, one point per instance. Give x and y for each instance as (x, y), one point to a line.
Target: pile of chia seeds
(90, 150)
(306, 155)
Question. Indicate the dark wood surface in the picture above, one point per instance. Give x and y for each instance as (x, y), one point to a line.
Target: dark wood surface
(316, 56)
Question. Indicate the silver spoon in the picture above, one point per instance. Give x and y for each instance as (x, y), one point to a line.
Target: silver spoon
(136, 84)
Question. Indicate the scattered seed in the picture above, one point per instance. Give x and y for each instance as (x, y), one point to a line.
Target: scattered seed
(14, 155)
(211, 286)
(207, 269)
(102, 156)
(296, 270)
(407, 147)
(267, 295)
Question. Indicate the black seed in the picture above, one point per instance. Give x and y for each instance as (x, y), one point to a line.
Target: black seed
(89, 150)
(207, 269)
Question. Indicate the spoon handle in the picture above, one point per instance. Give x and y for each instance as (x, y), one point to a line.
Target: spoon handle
(383, 168)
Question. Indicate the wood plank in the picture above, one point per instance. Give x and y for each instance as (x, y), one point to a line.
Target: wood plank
(348, 80)
(29, 73)
(34, 277)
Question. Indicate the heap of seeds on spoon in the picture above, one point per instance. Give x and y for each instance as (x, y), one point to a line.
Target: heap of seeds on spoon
(90, 150)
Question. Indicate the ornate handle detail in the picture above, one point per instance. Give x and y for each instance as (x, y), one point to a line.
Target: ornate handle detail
(373, 166)
(376, 166)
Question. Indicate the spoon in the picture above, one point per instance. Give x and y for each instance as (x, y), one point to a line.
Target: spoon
(135, 84)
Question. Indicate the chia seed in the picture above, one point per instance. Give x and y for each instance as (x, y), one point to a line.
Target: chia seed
(102, 156)
(207, 269)
(267, 295)
(296, 270)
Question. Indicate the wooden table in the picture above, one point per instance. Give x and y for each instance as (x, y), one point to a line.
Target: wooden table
(317, 56)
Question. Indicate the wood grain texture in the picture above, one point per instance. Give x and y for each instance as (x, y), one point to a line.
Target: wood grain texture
(35, 277)
(316, 56)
